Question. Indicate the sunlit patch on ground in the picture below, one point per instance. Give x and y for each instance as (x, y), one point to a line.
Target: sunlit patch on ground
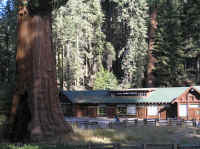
(141, 135)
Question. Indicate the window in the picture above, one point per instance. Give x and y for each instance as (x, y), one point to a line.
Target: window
(102, 110)
(121, 110)
(90, 111)
(131, 109)
(129, 93)
(194, 106)
(198, 112)
(152, 110)
(142, 93)
(183, 110)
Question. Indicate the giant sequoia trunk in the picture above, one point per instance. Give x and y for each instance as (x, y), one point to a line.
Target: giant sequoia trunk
(36, 113)
(151, 60)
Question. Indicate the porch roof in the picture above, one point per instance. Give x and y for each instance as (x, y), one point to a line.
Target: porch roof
(158, 95)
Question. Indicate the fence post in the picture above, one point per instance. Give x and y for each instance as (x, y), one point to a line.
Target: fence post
(117, 146)
(110, 125)
(144, 146)
(175, 146)
(157, 123)
(169, 122)
(89, 145)
(125, 123)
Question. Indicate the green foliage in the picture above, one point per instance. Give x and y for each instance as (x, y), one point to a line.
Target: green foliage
(105, 80)
(89, 34)
(24, 147)
(2, 119)
(5, 102)
(80, 42)
(114, 34)
(135, 15)
(176, 49)
(8, 21)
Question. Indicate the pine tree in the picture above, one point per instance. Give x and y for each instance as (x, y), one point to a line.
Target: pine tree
(8, 43)
(133, 13)
(176, 49)
(153, 23)
(105, 80)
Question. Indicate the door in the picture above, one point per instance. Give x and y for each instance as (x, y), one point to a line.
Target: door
(183, 110)
(141, 112)
(111, 111)
(92, 111)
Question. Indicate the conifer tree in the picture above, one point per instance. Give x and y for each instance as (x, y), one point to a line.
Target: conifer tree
(36, 113)
(151, 60)
(133, 13)
(176, 48)
(8, 21)
(78, 28)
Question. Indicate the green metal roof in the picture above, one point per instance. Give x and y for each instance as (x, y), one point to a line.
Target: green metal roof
(159, 95)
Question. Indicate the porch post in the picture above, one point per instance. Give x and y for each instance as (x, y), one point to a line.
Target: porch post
(178, 117)
(187, 104)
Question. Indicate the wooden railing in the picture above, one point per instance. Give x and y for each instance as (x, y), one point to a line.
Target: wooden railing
(135, 122)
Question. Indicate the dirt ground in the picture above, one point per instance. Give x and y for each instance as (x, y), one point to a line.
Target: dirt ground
(141, 135)
(137, 135)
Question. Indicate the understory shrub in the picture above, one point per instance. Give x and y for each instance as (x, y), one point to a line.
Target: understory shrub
(105, 80)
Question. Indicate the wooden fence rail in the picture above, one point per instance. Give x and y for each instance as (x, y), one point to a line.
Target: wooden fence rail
(104, 146)
(132, 123)
(188, 146)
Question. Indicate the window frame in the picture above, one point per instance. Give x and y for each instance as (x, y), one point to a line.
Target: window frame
(130, 113)
(121, 109)
(181, 114)
(194, 105)
(102, 110)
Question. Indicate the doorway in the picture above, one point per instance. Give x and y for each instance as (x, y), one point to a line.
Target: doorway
(172, 111)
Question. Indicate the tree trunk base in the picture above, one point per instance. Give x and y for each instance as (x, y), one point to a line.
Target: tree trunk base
(36, 114)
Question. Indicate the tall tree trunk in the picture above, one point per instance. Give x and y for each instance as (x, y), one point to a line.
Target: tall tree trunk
(151, 59)
(36, 113)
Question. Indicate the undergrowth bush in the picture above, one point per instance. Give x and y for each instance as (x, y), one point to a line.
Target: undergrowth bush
(5, 102)
(105, 80)
(41, 146)
(11, 146)
(2, 119)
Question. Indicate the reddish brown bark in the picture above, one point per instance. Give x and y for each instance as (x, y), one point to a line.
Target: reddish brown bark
(151, 59)
(36, 113)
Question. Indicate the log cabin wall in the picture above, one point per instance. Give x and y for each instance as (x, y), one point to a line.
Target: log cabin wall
(111, 110)
(141, 111)
(188, 98)
(188, 107)
(163, 115)
(92, 111)
(78, 111)
(161, 112)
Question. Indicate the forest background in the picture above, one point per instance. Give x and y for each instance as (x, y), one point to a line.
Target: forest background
(107, 44)
(115, 44)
